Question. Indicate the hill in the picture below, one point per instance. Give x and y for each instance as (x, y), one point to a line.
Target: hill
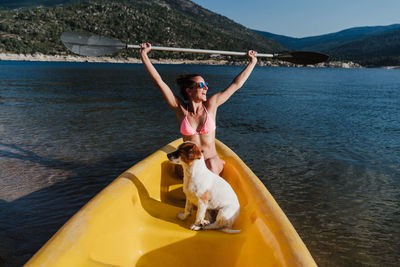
(327, 41)
(376, 50)
(376, 46)
(15, 4)
(179, 23)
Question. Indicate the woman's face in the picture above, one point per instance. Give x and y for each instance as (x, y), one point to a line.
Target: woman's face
(198, 92)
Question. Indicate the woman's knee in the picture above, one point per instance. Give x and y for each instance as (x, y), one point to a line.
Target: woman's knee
(215, 165)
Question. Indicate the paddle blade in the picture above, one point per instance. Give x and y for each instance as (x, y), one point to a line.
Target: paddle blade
(87, 44)
(303, 57)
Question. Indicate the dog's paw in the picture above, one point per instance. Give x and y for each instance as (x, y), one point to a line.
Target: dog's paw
(181, 216)
(204, 223)
(195, 227)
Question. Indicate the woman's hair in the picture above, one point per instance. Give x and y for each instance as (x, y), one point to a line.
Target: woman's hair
(185, 81)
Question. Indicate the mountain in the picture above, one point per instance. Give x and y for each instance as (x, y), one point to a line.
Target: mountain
(365, 45)
(376, 50)
(28, 26)
(14, 4)
(178, 23)
(327, 41)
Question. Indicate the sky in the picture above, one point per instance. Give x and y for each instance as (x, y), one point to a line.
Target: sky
(303, 18)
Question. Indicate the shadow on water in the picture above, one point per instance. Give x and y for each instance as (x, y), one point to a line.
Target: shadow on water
(29, 221)
(30, 156)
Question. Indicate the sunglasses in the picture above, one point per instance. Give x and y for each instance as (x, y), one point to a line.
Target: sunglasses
(202, 85)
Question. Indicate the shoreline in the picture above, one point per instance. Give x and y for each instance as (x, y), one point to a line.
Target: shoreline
(220, 62)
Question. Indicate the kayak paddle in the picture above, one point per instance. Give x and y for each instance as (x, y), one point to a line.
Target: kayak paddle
(87, 44)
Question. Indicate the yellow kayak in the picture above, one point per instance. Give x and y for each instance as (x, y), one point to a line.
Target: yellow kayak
(132, 222)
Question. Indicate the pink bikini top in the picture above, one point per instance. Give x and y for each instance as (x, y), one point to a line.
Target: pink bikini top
(208, 127)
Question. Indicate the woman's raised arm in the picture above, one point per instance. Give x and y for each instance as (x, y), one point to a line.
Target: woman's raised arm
(238, 82)
(169, 96)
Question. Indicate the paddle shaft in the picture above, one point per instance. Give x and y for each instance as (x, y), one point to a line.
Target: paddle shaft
(202, 51)
(87, 44)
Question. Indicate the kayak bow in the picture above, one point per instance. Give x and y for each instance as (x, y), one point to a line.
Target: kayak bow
(132, 222)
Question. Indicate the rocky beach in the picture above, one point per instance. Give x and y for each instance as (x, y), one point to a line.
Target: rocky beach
(223, 62)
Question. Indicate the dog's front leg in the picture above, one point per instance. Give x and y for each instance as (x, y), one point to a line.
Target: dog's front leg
(188, 210)
(200, 222)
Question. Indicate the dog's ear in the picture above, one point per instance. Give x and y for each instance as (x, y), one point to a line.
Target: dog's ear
(194, 153)
(186, 147)
(191, 151)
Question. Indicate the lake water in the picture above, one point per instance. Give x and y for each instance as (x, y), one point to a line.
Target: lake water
(325, 142)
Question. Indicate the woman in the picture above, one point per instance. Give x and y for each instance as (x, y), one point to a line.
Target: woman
(197, 117)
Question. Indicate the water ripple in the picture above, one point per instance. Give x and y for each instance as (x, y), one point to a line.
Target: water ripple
(324, 142)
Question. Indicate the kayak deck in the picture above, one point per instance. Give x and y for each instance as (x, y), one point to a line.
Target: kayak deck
(132, 222)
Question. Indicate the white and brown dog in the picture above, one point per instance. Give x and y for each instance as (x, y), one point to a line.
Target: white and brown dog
(205, 189)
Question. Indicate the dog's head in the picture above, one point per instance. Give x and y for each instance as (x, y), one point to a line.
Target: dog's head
(186, 153)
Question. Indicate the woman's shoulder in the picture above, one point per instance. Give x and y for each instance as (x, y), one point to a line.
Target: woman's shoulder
(211, 106)
(181, 102)
(182, 106)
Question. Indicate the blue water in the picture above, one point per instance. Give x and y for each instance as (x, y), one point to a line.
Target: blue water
(325, 142)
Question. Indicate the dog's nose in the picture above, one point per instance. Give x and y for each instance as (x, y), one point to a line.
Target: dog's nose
(169, 156)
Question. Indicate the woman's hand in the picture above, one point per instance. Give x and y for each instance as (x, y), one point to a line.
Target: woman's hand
(252, 56)
(145, 48)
